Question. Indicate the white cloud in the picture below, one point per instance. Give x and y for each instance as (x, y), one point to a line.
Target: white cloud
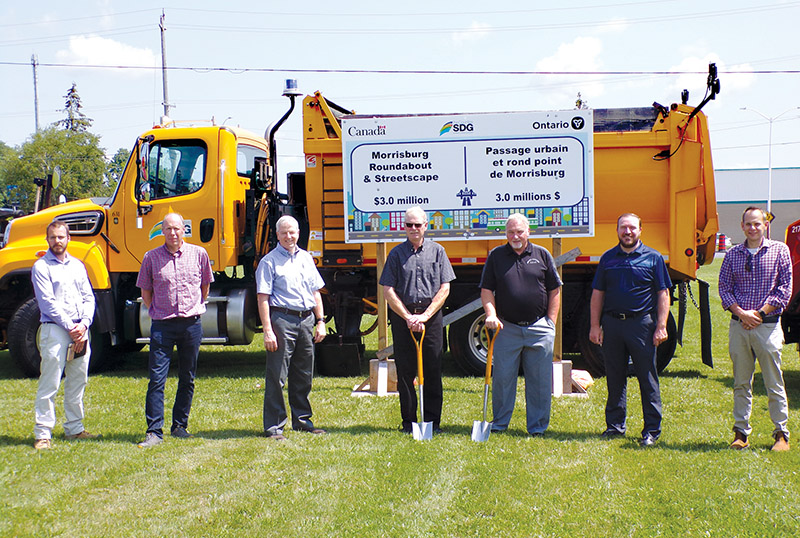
(697, 84)
(95, 50)
(476, 32)
(582, 54)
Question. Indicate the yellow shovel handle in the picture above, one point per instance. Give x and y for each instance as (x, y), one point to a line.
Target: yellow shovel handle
(489, 338)
(418, 343)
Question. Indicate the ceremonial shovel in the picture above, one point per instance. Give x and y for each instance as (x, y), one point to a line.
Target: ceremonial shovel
(482, 429)
(421, 431)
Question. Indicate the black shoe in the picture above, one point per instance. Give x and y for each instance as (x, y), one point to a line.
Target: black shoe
(437, 430)
(647, 440)
(181, 433)
(405, 429)
(612, 434)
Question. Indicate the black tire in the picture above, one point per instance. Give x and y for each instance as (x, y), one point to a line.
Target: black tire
(23, 329)
(468, 343)
(593, 354)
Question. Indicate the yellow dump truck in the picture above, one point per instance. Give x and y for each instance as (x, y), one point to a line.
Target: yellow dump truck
(654, 161)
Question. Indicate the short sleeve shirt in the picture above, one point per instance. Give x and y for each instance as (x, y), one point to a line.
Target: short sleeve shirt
(176, 280)
(289, 279)
(631, 280)
(521, 282)
(417, 275)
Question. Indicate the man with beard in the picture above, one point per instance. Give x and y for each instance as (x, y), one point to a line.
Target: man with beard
(629, 311)
(520, 292)
(66, 302)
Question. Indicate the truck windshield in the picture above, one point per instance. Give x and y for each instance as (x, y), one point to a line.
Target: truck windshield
(176, 168)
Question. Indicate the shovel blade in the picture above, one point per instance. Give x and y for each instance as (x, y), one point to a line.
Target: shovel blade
(422, 431)
(481, 430)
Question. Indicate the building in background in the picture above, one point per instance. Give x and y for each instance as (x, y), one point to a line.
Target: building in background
(738, 189)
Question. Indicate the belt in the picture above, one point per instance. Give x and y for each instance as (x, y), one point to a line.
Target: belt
(525, 323)
(302, 314)
(623, 315)
(765, 319)
(417, 308)
(54, 323)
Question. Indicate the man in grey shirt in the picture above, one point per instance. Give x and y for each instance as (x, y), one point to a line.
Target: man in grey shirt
(66, 303)
(416, 281)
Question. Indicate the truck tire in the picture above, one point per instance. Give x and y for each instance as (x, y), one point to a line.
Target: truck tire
(593, 354)
(468, 344)
(23, 329)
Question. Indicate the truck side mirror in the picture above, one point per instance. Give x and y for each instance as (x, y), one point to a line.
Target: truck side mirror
(144, 192)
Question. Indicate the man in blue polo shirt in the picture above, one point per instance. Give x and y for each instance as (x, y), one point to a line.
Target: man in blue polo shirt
(629, 311)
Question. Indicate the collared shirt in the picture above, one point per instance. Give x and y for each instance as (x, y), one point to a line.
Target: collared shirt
(417, 275)
(176, 281)
(753, 280)
(289, 279)
(63, 291)
(521, 282)
(631, 280)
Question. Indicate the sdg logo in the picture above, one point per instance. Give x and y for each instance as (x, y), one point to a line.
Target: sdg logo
(455, 127)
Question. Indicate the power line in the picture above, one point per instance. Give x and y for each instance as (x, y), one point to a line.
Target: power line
(239, 70)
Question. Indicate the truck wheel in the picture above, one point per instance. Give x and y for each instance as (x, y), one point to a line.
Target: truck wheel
(593, 354)
(23, 330)
(468, 344)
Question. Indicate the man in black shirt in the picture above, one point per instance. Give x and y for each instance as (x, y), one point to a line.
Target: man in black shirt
(521, 292)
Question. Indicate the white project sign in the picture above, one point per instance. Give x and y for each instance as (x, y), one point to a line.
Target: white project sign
(469, 172)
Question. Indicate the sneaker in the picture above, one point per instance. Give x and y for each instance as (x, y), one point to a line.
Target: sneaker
(181, 433)
(42, 444)
(781, 443)
(150, 440)
(739, 441)
(83, 436)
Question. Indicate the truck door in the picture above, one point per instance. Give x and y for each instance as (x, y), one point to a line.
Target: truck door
(175, 177)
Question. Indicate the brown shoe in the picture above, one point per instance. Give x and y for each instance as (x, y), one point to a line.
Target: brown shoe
(740, 441)
(83, 436)
(781, 443)
(42, 444)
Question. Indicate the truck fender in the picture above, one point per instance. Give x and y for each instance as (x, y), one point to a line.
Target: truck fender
(94, 259)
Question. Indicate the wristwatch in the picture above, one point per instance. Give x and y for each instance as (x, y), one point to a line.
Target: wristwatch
(320, 319)
(762, 314)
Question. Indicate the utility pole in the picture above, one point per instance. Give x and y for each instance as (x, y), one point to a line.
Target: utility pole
(163, 28)
(35, 63)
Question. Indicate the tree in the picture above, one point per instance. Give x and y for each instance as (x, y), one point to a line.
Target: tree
(78, 155)
(9, 192)
(116, 166)
(76, 121)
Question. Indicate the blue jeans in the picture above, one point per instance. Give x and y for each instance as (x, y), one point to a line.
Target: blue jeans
(533, 347)
(185, 334)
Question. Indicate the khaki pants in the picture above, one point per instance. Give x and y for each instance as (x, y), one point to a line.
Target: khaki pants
(745, 346)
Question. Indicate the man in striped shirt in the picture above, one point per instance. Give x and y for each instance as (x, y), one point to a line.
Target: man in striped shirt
(755, 283)
(174, 280)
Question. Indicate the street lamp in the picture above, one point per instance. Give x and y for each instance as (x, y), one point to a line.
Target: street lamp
(769, 162)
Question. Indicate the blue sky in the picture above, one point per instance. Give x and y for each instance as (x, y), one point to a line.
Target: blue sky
(230, 62)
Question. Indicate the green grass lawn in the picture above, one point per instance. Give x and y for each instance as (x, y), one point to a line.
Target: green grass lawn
(366, 479)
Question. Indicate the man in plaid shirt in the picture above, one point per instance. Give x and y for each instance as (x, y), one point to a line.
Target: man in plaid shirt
(755, 283)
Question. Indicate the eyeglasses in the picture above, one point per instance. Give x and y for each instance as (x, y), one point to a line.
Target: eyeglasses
(415, 224)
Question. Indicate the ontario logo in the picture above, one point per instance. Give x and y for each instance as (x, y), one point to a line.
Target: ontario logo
(456, 128)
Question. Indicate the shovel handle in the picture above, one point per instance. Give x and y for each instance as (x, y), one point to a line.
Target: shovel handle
(418, 344)
(490, 337)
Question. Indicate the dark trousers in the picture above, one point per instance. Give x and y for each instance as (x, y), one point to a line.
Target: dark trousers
(184, 334)
(631, 338)
(405, 358)
(293, 362)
